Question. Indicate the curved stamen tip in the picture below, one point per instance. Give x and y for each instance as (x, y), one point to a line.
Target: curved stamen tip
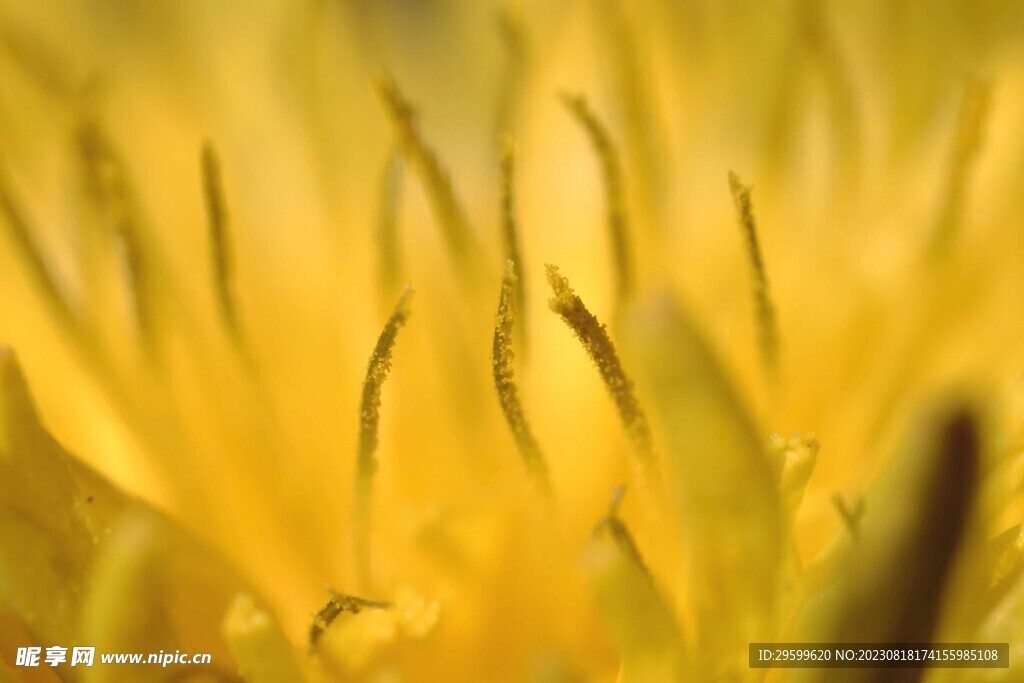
(594, 338)
(337, 604)
(369, 426)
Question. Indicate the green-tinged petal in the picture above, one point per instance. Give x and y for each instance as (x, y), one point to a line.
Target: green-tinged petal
(153, 589)
(263, 653)
(893, 576)
(54, 514)
(12, 637)
(83, 564)
(636, 613)
(725, 494)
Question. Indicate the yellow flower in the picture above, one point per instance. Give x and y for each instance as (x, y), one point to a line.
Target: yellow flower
(642, 411)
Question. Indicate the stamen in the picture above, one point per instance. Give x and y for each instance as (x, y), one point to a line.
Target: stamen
(108, 186)
(390, 267)
(851, 517)
(619, 532)
(598, 345)
(510, 236)
(448, 211)
(21, 232)
(764, 311)
(631, 79)
(337, 604)
(369, 423)
(513, 42)
(816, 54)
(504, 381)
(220, 247)
(974, 109)
(618, 227)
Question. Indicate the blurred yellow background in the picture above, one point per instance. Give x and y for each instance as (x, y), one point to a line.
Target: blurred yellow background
(883, 143)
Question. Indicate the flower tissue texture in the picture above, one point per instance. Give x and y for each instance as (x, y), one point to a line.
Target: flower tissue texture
(509, 340)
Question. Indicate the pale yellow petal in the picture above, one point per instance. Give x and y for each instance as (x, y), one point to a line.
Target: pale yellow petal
(263, 653)
(53, 516)
(725, 496)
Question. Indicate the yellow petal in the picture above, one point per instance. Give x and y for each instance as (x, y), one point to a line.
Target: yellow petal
(1005, 624)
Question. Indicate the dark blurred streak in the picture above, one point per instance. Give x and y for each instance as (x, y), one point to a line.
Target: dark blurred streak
(414, 20)
(38, 60)
(512, 36)
(897, 596)
(945, 511)
(23, 234)
(108, 185)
